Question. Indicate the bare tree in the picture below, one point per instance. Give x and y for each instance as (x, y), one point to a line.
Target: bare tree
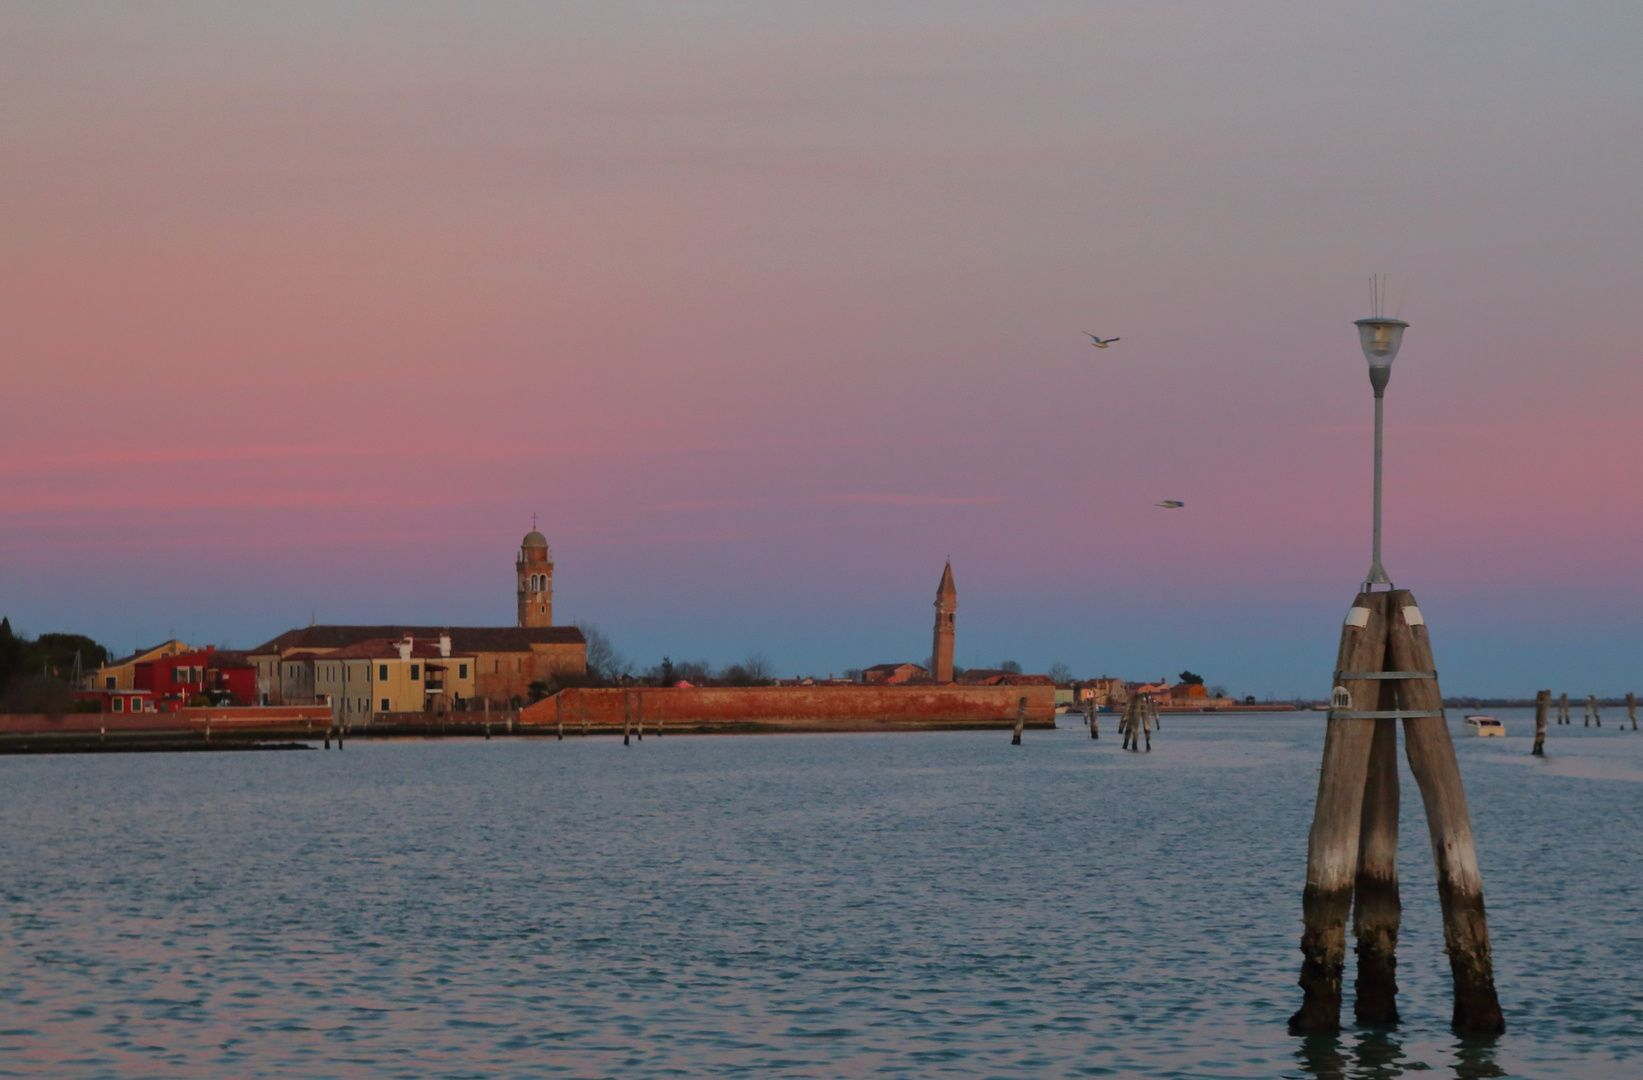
(604, 662)
(1009, 665)
(1060, 672)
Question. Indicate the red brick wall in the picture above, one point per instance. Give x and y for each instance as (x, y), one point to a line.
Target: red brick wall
(799, 707)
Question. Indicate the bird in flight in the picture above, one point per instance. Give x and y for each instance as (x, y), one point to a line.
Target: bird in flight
(1171, 504)
(1097, 342)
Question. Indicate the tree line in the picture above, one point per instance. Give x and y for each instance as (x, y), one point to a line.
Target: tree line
(37, 674)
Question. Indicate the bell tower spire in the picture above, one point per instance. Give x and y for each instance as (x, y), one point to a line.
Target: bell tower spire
(941, 653)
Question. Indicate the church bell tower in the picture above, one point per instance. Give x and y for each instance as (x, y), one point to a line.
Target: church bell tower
(941, 654)
(535, 570)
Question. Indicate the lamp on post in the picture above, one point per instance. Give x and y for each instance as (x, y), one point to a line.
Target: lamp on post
(1380, 338)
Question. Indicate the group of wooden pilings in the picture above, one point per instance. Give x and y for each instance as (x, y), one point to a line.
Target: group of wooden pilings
(1140, 721)
(1543, 701)
(1594, 710)
(1385, 673)
(633, 717)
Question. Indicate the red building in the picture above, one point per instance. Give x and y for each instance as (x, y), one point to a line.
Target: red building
(173, 680)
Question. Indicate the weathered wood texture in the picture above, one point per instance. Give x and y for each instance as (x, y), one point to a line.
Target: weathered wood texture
(1376, 910)
(1594, 709)
(1020, 722)
(1460, 886)
(1543, 701)
(1631, 709)
(1332, 844)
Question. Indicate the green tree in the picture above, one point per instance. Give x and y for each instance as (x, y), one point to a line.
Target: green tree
(1190, 679)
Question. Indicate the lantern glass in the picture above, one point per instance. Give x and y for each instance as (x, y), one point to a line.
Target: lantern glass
(1380, 339)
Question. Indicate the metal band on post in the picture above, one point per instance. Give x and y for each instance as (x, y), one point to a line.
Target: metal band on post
(1383, 714)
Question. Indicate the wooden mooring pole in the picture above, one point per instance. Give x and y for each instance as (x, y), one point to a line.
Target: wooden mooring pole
(1431, 755)
(1597, 710)
(1631, 709)
(1020, 722)
(1092, 713)
(1542, 701)
(1385, 659)
(1563, 709)
(627, 717)
(1332, 843)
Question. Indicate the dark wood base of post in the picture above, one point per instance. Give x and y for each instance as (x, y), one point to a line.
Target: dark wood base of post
(1466, 940)
(1323, 962)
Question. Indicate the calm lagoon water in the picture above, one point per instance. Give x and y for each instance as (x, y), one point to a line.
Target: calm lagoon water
(783, 906)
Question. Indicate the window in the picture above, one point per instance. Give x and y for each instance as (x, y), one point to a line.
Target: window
(416, 672)
(108, 683)
(382, 674)
(462, 671)
(384, 704)
(119, 704)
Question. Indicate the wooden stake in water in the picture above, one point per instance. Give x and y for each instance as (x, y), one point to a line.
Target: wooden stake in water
(1460, 886)
(1020, 722)
(1332, 844)
(1377, 912)
(1597, 710)
(1563, 709)
(627, 717)
(1631, 709)
(1542, 701)
(1092, 713)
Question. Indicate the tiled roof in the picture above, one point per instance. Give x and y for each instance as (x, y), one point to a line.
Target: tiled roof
(465, 639)
(384, 649)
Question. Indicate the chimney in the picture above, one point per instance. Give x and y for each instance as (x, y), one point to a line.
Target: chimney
(444, 644)
(405, 648)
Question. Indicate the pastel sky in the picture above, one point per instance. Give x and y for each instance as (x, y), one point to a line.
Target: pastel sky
(766, 309)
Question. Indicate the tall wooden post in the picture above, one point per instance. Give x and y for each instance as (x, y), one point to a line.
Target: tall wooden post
(1092, 713)
(1542, 701)
(627, 717)
(1020, 722)
(1588, 720)
(1376, 910)
(1431, 755)
(1563, 709)
(1332, 844)
(1631, 709)
(1597, 710)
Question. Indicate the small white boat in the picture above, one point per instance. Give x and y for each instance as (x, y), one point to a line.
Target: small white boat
(1485, 725)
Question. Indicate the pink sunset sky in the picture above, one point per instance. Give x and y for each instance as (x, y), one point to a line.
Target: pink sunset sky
(767, 309)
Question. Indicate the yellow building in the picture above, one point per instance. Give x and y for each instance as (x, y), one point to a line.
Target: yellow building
(119, 674)
(382, 676)
(505, 660)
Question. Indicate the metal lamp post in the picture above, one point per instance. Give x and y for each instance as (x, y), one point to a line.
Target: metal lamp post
(1380, 339)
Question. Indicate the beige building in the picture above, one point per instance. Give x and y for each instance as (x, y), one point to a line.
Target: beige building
(382, 676)
(504, 660)
(120, 674)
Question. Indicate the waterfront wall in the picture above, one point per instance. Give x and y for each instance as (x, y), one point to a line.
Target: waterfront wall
(792, 708)
(32, 733)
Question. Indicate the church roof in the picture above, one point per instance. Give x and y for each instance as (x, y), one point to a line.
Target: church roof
(534, 539)
(946, 588)
(466, 639)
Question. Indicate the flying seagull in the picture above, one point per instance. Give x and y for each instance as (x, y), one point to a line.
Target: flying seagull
(1097, 342)
(1171, 504)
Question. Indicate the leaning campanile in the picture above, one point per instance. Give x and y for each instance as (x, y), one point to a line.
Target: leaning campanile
(941, 653)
